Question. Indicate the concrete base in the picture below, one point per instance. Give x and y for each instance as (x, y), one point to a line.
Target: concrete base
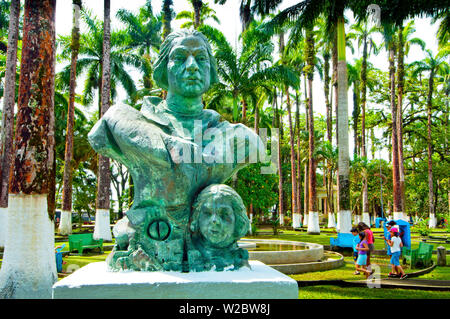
(94, 281)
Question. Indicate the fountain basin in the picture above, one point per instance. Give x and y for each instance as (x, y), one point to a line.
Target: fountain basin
(289, 252)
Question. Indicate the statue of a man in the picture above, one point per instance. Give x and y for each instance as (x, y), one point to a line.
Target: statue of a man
(173, 150)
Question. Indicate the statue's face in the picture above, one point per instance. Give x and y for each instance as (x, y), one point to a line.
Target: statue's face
(216, 222)
(188, 67)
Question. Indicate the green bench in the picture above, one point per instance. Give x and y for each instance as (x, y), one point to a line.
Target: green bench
(79, 242)
(421, 255)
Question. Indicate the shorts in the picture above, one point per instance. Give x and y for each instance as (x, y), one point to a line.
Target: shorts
(355, 256)
(371, 247)
(362, 260)
(395, 258)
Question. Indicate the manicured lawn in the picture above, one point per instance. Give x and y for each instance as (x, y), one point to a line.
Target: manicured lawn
(334, 292)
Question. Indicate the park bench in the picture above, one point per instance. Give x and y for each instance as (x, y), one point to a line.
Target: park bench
(420, 255)
(343, 240)
(409, 256)
(424, 254)
(80, 242)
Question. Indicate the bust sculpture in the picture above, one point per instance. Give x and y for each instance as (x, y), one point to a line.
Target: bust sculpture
(183, 217)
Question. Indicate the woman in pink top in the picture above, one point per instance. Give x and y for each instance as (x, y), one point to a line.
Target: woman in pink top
(370, 239)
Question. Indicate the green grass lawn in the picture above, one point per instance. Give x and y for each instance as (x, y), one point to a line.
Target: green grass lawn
(345, 272)
(335, 292)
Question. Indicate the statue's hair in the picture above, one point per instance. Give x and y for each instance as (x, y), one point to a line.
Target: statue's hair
(160, 71)
(241, 224)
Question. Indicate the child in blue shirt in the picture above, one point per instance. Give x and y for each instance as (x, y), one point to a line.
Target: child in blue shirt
(356, 241)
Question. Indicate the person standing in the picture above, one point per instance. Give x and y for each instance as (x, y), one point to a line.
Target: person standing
(363, 250)
(396, 247)
(362, 227)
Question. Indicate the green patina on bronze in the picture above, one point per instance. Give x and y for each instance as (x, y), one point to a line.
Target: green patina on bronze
(179, 155)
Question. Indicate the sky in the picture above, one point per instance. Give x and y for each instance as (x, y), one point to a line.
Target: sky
(231, 27)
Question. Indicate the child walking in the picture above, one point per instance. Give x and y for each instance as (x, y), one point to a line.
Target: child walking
(396, 249)
(356, 241)
(363, 249)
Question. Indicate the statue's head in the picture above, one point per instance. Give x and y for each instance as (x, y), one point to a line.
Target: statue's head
(185, 65)
(219, 215)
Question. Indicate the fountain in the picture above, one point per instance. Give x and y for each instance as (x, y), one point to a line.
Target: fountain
(291, 257)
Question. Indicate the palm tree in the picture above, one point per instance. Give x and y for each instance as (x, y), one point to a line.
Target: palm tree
(365, 39)
(242, 75)
(404, 41)
(65, 225)
(102, 229)
(143, 33)
(8, 114)
(167, 16)
(29, 270)
(205, 13)
(90, 62)
(434, 65)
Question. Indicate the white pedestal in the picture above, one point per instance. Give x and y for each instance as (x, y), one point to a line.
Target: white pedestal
(94, 281)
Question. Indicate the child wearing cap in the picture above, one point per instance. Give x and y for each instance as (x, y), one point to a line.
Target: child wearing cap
(363, 249)
(356, 241)
(396, 247)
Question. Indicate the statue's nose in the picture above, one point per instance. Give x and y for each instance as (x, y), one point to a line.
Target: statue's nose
(191, 64)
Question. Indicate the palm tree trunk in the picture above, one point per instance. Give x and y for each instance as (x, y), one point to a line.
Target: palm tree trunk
(280, 171)
(313, 215)
(197, 4)
(298, 221)
(294, 204)
(102, 221)
(167, 17)
(344, 220)
(398, 214)
(365, 192)
(29, 268)
(8, 114)
(306, 174)
(400, 86)
(65, 225)
(432, 221)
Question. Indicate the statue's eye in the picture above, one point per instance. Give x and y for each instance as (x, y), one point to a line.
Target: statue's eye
(201, 58)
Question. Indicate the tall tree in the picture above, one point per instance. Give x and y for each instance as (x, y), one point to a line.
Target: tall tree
(167, 16)
(404, 41)
(102, 228)
(65, 225)
(313, 214)
(29, 269)
(8, 114)
(365, 39)
(433, 65)
(205, 13)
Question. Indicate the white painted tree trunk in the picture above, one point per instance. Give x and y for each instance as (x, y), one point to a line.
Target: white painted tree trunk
(102, 227)
(3, 226)
(313, 223)
(331, 220)
(306, 220)
(296, 220)
(356, 219)
(432, 221)
(281, 219)
(29, 264)
(398, 215)
(65, 223)
(344, 221)
(366, 219)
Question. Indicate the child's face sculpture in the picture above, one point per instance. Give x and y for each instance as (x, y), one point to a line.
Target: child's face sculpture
(188, 67)
(217, 222)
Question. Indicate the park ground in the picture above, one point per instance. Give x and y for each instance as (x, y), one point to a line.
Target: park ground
(345, 273)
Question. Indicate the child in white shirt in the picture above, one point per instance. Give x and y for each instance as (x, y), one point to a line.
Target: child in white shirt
(396, 249)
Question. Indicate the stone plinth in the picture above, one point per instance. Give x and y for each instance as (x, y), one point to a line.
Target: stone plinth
(94, 281)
